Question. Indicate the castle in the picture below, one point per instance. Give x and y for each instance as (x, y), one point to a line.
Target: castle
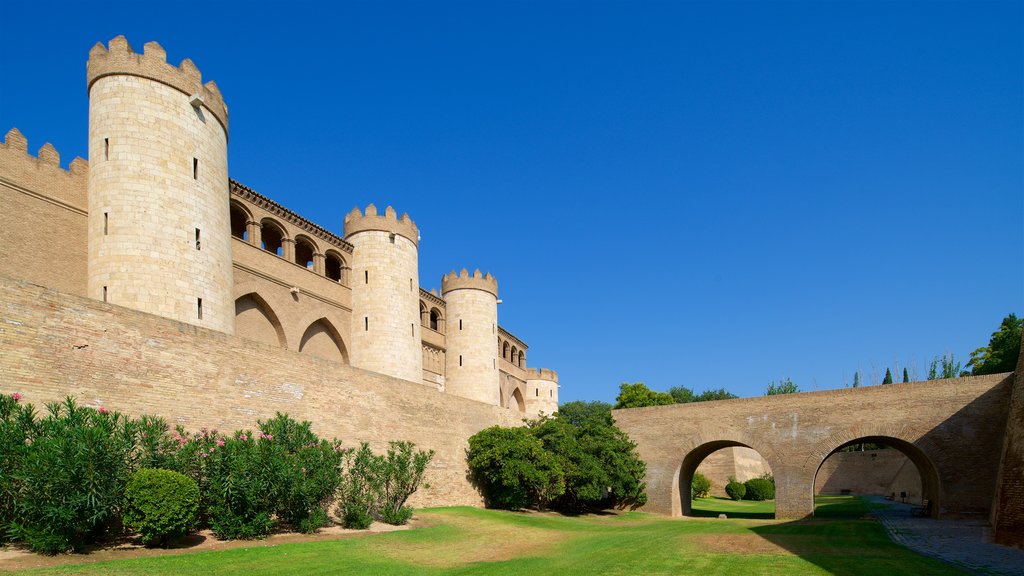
(153, 223)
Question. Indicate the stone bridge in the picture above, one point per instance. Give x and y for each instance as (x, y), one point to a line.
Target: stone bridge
(952, 430)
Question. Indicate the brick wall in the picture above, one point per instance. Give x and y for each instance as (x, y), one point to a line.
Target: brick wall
(54, 344)
(1008, 512)
(875, 472)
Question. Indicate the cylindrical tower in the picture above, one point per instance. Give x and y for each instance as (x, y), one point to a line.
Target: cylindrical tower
(471, 361)
(541, 392)
(385, 293)
(159, 224)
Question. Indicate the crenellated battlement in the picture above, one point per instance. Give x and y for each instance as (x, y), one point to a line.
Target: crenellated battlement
(358, 221)
(42, 173)
(543, 374)
(464, 280)
(120, 59)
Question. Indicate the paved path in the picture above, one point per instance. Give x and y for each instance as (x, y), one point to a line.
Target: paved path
(963, 543)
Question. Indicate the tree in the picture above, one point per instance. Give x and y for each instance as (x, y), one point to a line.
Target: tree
(1002, 351)
(948, 368)
(513, 469)
(888, 377)
(638, 395)
(856, 379)
(906, 377)
(579, 412)
(783, 387)
(682, 394)
(720, 394)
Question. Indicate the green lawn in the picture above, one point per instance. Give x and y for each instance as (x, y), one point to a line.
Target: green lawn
(471, 541)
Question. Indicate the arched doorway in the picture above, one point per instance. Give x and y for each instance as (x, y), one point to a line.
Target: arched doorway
(881, 466)
(719, 461)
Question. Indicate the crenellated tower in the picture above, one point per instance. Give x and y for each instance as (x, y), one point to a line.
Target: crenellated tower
(541, 392)
(471, 362)
(386, 334)
(159, 225)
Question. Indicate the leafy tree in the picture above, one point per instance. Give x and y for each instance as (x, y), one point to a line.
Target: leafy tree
(598, 460)
(638, 395)
(513, 469)
(720, 394)
(700, 486)
(906, 377)
(783, 387)
(1002, 351)
(578, 412)
(682, 394)
(948, 368)
(888, 377)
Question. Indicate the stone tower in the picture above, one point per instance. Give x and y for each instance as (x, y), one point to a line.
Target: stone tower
(542, 392)
(385, 293)
(471, 363)
(159, 229)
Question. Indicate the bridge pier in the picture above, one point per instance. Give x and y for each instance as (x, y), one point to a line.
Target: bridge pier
(794, 493)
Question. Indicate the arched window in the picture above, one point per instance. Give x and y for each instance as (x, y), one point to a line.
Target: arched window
(513, 354)
(504, 351)
(334, 266)
(273, 236)
(239, 222)
(304, 250)
(435, 319)
(521, 359)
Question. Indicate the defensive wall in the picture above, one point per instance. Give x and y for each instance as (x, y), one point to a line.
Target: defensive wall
(54, 344)
(952, 430)
(1008, 507)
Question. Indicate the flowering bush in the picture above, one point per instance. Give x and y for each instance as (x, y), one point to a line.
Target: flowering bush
(378, 486)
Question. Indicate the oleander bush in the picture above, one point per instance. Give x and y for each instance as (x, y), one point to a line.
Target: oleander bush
(378, 486)
(161, 505)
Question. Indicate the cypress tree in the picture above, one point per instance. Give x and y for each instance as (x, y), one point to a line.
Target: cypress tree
(906, 377)
(856, 379)
(888, 377)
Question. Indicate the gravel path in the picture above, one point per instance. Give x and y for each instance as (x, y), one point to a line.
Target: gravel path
(963, 543)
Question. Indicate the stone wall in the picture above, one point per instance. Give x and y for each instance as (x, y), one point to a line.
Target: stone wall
(1008, 511)
(742, 463)
(872, 472)
(54, 344)
(43, 237)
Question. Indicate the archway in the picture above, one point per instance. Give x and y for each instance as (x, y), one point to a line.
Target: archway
(323, 340)
(256, 320)
(516, 401)
(304, 251)
(239, 222)
(272, 237)
(718, 461)
(881, 466)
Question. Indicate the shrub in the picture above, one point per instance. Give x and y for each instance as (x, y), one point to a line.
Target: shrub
(759, 489)
(513, 469)
(67, 480)
(735, 489)
(161, 505)
(700, 486)
(400, 473)
(359, 488)
(396, 518)
(240, 475)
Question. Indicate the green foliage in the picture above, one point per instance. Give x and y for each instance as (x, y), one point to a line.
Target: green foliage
(783, 387)
(638, 395)
(398, 517)
(357, 493)
(1002, 351)
(700, 486)
(759, 489)
(735, 489)
(577, 412)
(512, 468)
(720, 394)
(888, 377)
(682, 394)
(943, 367)
(856, 379)
(401, 472)
(598, 461)
(66, 480)
(906, 376)
(161, 505)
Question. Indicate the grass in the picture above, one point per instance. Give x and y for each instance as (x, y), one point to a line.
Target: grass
(471, 541)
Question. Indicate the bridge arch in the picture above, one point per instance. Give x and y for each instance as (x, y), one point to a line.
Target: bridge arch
(692, 458)
(931, 484)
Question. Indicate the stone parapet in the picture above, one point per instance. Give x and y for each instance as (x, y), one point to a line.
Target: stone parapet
(120, 59)
(357, 221)
(463, 281)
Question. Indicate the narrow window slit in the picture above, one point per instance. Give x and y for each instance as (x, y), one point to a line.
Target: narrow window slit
(195, 168)
(104, 293)
(366, 323)
(197, 239)
(106, 148)
(106, 218)
(199, 307)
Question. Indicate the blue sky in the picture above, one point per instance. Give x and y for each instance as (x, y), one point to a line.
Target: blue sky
(712, 195)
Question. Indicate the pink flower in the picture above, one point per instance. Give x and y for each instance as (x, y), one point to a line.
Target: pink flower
(16, 396)
(303, 469)
(243, 437)
(220, 442)
(103, 410)
(203, 454)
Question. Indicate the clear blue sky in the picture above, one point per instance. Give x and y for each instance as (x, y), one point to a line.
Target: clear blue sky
(713, 194)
